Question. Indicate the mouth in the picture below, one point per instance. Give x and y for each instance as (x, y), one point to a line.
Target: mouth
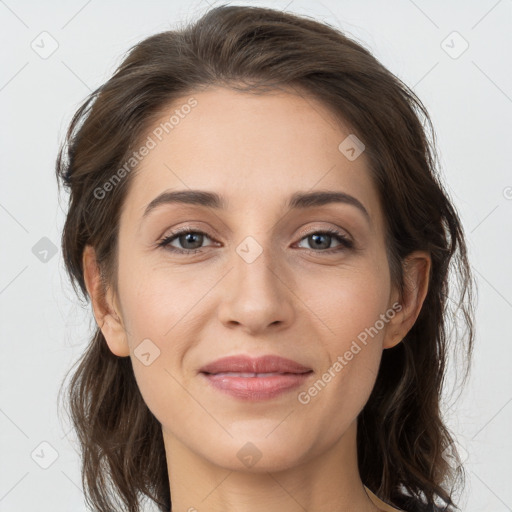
(248, 379)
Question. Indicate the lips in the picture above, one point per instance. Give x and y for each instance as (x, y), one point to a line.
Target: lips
(244, 366)
(255, 379)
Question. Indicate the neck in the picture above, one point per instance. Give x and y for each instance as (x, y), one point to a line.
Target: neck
(322, 482)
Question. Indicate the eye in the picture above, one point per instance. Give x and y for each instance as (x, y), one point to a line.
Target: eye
(191, 241)
(322, 240)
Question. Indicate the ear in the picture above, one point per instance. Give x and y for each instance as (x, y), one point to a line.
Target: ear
(103, 303)
(416, 277)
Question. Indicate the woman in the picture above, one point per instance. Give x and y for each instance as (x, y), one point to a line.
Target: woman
(256, 217)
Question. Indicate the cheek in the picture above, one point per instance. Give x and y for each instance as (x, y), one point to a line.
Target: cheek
(162, 312)
(158, 303)
(353, 346)
(354, 315)
(351, 303)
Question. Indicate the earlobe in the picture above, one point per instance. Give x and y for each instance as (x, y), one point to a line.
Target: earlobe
(416, 278)
(103, 305)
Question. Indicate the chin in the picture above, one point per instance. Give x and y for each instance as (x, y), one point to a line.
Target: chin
(258, 455)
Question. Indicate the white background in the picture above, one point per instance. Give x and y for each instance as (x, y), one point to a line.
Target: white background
(43, 326)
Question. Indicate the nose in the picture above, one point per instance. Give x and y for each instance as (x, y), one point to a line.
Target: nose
(257, 295)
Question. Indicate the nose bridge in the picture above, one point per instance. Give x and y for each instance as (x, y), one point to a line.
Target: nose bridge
(255, 267)
(256, 296)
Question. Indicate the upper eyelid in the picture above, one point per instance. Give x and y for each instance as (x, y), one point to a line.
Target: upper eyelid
(193, 229)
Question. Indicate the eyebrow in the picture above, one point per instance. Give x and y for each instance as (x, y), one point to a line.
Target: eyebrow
(299, 200)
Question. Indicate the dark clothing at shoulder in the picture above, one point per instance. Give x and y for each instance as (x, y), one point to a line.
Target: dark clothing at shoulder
(409, 504)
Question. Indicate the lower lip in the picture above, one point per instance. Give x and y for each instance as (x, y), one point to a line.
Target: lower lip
(257, 388)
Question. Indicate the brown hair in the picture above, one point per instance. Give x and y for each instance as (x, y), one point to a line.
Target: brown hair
(402, 439)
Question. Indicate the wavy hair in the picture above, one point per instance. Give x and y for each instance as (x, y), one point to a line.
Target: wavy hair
(402, 440)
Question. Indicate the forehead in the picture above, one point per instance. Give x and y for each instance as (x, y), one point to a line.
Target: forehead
(255, 150)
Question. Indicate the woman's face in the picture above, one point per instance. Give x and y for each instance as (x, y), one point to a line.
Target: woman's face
(262, 280)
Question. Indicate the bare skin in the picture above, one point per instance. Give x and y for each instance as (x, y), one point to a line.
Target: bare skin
(294, 300)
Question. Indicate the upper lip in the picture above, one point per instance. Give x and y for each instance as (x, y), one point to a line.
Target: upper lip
(246, 364)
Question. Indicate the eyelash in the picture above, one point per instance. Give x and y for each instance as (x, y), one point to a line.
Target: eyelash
(345, 243)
